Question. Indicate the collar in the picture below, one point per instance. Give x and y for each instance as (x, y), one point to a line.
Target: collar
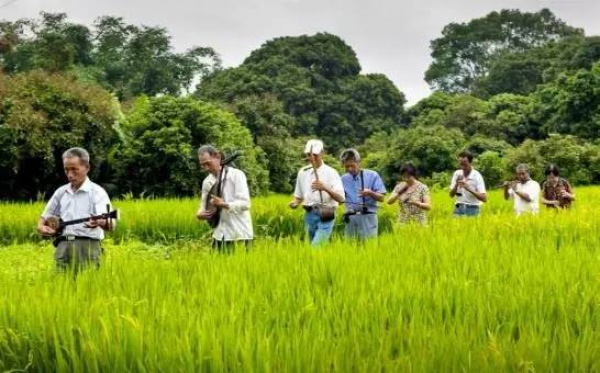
(318, 168)
(85, 187)
(355, 177)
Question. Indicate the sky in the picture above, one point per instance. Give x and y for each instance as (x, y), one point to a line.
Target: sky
(389, 36)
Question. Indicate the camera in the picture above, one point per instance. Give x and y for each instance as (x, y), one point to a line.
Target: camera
(459, 190)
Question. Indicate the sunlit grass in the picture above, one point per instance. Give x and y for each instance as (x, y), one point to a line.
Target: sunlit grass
(497, 293)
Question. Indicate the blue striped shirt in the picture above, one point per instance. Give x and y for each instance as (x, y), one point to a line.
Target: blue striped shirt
(353, 184)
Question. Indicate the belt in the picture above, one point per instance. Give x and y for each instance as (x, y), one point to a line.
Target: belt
(308, 208)
(467, 205)
(73, 238)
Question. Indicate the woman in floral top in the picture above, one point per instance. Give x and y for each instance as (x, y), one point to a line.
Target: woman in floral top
(557, 192)
(412, 196)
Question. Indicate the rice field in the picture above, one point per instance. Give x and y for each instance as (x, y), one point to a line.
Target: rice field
(490, 294)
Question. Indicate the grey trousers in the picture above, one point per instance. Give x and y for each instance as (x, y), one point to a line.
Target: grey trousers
(77, 254)
(362, 226)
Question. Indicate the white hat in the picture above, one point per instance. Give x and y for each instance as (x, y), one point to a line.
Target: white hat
(314, 146)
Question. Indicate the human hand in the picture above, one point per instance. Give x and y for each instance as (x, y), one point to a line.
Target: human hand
(94, 223)
(217, 202)
(204, 215)
(318, 185)
(365, 193)
(47, 230)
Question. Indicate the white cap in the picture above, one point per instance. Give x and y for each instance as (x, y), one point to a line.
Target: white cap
(314, 146)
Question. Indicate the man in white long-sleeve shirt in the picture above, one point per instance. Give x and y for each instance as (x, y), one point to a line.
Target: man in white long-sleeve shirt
(235, 223)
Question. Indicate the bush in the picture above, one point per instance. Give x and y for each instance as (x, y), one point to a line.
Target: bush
(162, 135)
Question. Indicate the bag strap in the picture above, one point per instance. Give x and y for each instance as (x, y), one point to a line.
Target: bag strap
(222, 183)
(362, 186)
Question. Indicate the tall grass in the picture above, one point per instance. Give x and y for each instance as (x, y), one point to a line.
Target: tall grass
(497, 293)
(171, 219)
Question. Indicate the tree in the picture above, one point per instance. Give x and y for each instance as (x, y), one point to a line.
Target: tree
(522, 72)
(512, 119)
(493, 166)
(569, 153)
(51, 43)
(571, 104)
(317, 80)
(123, 58)
(431, 149)
(465, 52)
(162, 135)
(41, 115)
(270, 127)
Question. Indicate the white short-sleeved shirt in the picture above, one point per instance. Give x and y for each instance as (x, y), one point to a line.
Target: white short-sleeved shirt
(532, 189)
(90, 199)
(327, 175)
(235, 222)
(475, 181)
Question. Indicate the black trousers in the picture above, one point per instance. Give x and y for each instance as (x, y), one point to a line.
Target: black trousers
(228, 247)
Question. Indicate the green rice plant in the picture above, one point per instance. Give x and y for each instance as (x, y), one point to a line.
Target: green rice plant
(474, 295)
(165, 220)
(496, 293)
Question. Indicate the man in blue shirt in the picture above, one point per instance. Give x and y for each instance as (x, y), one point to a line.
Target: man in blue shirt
(363, 189)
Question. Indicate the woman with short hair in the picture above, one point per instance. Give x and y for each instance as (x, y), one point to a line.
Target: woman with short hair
(556, 191)
(412, 196)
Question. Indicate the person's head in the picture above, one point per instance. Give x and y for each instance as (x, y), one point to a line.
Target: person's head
(552, 173)
(210, 159)
(350, 159)
(76, 162)
(408, 172)
(314, 151)
(522, 172)
(464, 160)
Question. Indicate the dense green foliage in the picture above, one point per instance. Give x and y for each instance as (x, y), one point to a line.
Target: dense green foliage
(159, 151)
(514, 87)
(317, 80)
(465, 52)
(41, 116)
(126, 59)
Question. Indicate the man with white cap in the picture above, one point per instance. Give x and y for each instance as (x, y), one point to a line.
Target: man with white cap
(319, 189)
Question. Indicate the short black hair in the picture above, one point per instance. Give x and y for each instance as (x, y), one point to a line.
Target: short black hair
(552, 169)
(410, 169)
(466, 154)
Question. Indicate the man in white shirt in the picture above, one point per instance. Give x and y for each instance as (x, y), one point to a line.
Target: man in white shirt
(79, 244)
(319, 189)
(525, 192)
(467, 187)
(229, 200)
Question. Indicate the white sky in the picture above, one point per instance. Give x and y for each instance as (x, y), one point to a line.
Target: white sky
(389, 37)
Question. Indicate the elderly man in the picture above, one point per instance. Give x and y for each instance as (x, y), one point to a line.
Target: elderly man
(319, 189)
(363, 188)
(524, 191)
(467, 187)
(225, 195)
(78, 244)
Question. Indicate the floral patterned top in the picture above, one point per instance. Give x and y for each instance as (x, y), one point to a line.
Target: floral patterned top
(552, 192)
(408, 212)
